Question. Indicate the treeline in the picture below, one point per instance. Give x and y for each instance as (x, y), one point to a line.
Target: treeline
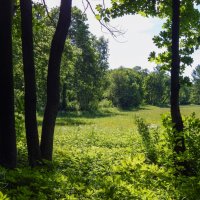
(133, 87)
(83, 67)
(86, 82)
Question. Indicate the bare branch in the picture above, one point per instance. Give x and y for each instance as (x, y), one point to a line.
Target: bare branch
(112, 30)
(48, 14)
(104, 5)
(85, 6)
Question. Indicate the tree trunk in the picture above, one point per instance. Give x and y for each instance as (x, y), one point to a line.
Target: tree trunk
(8, 151)
(32, 137)
(175, 70)
(179, 145)
(53, 79)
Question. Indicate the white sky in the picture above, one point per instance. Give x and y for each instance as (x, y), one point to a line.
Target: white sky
(135, 45)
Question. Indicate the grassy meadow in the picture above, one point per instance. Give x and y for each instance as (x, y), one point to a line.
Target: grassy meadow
(100, 156)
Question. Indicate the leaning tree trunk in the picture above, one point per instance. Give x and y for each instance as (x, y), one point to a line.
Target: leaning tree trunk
(179, 145)
(53, 79)
(8, 152)
(30, 83)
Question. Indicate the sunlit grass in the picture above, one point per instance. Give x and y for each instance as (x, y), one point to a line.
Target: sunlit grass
(100, 156)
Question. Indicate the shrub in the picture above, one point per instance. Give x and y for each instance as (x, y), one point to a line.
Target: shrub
(147, 138)
(105, 103)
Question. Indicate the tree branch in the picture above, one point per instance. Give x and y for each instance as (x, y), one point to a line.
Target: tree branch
(112, 30)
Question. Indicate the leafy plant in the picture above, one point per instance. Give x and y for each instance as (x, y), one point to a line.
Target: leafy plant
(148, 140)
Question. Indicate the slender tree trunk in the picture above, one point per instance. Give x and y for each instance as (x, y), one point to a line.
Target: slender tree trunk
(179, 145)
(8, 151)
(175, 70)
(30, 83)
(53, 79)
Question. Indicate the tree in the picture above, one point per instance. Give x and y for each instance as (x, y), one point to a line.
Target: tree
(8, 152)
(53, 79)
(30, 83)
(175, 83)
(92, 64)
(71, 56)
(185, 94)
(124, 90)
(196, 85)
(156, 87)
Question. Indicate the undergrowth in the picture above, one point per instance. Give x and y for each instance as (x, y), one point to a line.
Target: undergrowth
(100, 159)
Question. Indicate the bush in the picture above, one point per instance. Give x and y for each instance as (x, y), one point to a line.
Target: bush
(192, 140)
(105, 103)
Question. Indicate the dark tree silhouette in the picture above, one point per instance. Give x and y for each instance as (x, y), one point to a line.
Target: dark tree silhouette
(8, 152)
(53, 79)
(30, 83)
(175, 71)
(179, 142)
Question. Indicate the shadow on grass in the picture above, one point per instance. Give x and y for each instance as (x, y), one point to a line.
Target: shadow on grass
(65, 121)
(133, 109)
(80, 117)
(164, 106)
(89, 114)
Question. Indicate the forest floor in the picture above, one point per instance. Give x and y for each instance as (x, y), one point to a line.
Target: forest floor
(101, 156)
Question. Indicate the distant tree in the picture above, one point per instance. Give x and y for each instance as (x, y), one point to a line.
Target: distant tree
(156, 88)
(92, 64)
(196, 85)
(8, 152)
(125, 91)
(185, 94)
(71, 55)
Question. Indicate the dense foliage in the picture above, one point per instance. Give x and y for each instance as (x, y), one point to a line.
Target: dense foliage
(125, 89)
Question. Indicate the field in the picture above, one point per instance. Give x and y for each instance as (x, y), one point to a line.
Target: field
(100, 156)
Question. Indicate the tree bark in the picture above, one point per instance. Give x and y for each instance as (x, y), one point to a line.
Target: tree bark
(32, 137)
(182, 166)
(175, 85)
(8, 151)
(53, 79)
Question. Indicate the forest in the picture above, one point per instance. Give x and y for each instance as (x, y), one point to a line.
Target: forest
(73, 128)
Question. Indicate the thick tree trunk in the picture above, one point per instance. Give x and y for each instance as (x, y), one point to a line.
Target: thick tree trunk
(175, 85)
(30, 83)
(53, 79)
(8, 152)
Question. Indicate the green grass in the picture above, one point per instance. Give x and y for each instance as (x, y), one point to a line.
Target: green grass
(99, 156)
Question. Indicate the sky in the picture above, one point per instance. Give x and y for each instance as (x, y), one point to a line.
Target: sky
(133, 48)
